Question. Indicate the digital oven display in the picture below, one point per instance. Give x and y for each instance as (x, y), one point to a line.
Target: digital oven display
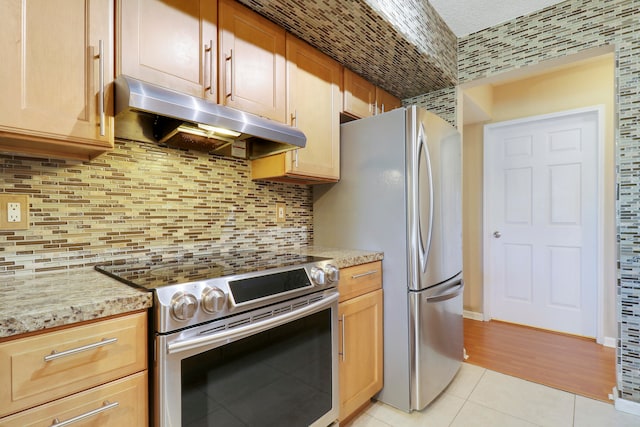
(254, 288)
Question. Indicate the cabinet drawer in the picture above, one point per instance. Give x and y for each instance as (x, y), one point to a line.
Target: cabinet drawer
(360, 279)
(106, 350)
(118, 403)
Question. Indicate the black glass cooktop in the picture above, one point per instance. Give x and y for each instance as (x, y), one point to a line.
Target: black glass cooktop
(154, 272)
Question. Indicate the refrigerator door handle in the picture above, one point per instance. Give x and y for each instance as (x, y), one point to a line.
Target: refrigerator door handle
(424, 249)
(450, 294)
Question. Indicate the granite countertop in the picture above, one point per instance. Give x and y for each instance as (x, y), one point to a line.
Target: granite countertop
(343, 257)
(30, 303)
(34, 302)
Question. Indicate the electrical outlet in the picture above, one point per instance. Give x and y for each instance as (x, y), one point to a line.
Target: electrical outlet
(14, 211)
(281, 212)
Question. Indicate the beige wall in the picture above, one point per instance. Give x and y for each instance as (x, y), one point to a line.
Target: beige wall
(472, 216)
(586, 84)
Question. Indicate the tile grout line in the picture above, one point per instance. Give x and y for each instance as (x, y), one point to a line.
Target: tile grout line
(511, 415)
(466, 399)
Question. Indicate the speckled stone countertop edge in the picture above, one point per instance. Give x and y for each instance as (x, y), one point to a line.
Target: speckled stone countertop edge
(32, 303)
(344, 257)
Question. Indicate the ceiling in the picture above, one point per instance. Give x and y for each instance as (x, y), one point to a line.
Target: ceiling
(469, 16)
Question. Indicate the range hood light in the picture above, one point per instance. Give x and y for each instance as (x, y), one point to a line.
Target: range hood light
(219, 131)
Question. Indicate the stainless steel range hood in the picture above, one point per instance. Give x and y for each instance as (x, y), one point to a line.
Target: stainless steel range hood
(147, 112)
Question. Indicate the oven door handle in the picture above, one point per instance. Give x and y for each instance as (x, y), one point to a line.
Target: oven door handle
(220, 338)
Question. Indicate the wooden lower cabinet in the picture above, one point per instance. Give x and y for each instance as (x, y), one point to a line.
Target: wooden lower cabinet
(118, 403)
(75, 370)
(360, 366)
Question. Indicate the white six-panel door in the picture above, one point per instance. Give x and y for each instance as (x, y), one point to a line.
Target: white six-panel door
(541, 224)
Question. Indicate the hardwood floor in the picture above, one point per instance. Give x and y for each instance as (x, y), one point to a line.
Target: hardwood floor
(566, 362)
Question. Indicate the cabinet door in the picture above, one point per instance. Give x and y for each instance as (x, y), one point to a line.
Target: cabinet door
(385, 101)
(50, 76)
(361, 351)
(359, 95)
(251, 62)
(314, 88)
(314, 84)
(171, 43)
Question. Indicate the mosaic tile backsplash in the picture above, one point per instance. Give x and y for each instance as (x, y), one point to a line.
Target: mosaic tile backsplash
(568, 28)
(143, 199)
(441, 102)
(403, 46)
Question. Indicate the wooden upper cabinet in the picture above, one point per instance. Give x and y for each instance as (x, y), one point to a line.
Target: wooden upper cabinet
(50, 77)
(364, 99)
(385, 101)
(314, 84)
(171, 43)
(359, 95)
(251, 62)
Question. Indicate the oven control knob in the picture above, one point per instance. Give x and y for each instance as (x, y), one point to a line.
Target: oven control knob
(317, 275)
(183, 306)
(332, 272)
(213, 299)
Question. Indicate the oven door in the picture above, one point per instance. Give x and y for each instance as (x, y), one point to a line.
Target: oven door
(275, 366)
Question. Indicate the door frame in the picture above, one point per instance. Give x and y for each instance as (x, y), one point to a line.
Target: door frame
(600, 236)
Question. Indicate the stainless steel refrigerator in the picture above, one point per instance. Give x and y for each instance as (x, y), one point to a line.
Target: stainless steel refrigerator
(400, 193)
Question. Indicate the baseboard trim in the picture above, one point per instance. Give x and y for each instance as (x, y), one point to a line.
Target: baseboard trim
(624, 405)
(472, 315)
(609, 342)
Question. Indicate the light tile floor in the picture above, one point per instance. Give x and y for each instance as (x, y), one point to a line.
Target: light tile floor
(478, 397)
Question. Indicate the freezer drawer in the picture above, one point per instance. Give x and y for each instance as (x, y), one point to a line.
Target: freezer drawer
(436, 317)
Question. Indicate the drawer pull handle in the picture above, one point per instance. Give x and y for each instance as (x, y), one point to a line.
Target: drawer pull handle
(342, 353)
(55, 355)
(105, 407)
(368, 273)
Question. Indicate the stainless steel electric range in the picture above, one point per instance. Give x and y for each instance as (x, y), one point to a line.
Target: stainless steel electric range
(245, 338)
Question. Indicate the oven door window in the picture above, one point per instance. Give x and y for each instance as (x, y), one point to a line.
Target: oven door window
(280, 377)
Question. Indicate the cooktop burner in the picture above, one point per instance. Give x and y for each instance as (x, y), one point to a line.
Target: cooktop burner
(156, 273)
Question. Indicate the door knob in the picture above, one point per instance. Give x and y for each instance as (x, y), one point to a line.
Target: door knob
(497, 234)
